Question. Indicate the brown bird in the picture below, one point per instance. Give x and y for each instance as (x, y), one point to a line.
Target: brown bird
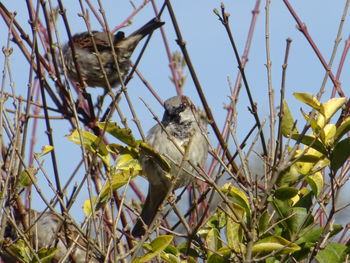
(46, 231)
(181, 122)
(88, 62)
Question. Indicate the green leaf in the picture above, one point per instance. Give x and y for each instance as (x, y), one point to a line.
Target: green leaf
(313, 236)
(234, 230)
(289, 176)
(340, 154)
(218, 220)
(305, 200)
(148, 150)
(122, 134)
(92, 143)
(333, 252)
(285, 193)
(264, 222)
(342, 129)
(298, 220)
(27, 177)
(157, 245)
(170, 258)
(288, 124)
(237, 195)
(274, 244)
(21, 251)
(312, 142)
(316, 183)
(118, 180)
(308, 99)
(213, 240)
(188, 251)
(221, 256)
(127, 161)
(46, 255)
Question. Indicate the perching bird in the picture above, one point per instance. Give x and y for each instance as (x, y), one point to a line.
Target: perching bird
(88, 62)
(181, 123)
(46, 231)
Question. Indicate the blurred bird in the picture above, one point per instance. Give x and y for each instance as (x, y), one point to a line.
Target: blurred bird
(47, 231)
(181, 122)
(88, 62)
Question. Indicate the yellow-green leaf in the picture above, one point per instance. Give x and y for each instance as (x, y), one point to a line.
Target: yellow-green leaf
(213, 240)
(287, 125)
(44, 150)
(122, 134)
(342, 129)
(327, 134)
(311, 141)
(316, 183)
(329, 108)
(92, 143)
(308, 99)
(274, 243)
(148, 150)
(128, 161)
(87, 206)
(27, 177)
(237, 195)
(156, 247)
(118, 180)
(234, 230)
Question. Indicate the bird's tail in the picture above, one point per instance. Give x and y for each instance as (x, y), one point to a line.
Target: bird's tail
(128, 44)
(154, 199)
(148, 28)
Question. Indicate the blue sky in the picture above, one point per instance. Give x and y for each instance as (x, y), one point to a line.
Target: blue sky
(212, 57)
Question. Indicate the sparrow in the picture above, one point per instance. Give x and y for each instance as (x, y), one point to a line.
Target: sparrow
(88, 62)
(46, 231)
(182, 123)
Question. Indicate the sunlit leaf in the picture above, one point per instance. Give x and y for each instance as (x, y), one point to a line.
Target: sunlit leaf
(312, 142)
(128, 161)
(342, 129)
(308, 99)
(92, 143)
(316, 183)
(88, 204)
(237, 195)
(44, 150)
(329, 108)
(320, 165)
(274, 244)
(327, 134)
(122, 134)
(155, 247)
(234, 230)
(117, 180)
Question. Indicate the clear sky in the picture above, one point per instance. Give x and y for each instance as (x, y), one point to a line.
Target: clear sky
(212, 57)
